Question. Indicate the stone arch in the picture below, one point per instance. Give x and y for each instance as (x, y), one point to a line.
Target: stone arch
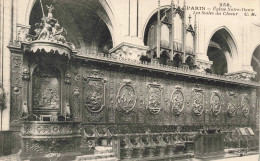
(255, 62)
(232, 41)
(222, 50)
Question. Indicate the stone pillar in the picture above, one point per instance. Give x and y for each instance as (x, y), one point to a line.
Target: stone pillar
(6, 37)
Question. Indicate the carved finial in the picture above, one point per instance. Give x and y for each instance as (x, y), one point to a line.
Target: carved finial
(178, 3)
(195, 21)
(172, 2)
(189, 18)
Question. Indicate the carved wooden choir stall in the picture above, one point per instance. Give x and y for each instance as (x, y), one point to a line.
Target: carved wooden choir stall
(69, 103)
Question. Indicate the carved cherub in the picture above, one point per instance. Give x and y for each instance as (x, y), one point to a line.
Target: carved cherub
(57, 31)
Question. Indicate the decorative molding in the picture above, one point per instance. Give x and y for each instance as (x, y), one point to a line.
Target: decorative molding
(67, 78)
(26, 74)
(129, 51)
(203, 65)
(16, 83)
(76, 95)
(241, 75)
(50, 47)
(163, 68)
(22, 32)
(50, 129)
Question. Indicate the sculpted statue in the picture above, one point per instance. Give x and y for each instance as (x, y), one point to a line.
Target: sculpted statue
(50, 9)
(58, 30)
(67, 111)
(46, 31)
(49, 28)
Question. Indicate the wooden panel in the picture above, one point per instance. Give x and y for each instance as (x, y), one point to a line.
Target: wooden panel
(203, 102)
(16, 87)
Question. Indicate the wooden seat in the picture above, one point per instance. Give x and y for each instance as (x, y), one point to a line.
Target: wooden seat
(32, 117)
(61, 118)
(46, 118)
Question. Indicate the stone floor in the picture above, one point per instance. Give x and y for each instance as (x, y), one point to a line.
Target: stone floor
(13, 157)
(244, 158)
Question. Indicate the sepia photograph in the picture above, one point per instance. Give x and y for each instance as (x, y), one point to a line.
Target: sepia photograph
(129, 80)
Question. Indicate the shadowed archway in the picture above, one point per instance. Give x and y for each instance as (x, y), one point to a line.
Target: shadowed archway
(221, 50)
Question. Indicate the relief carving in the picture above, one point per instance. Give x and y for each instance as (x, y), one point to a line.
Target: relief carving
(245, 105)
(126, 98)
(231, 111)
(16, 110)
(177, 101)
(46, 88)
(154, 98)
(95, 94)
(215, 103)
(198, 103)
(76, 95)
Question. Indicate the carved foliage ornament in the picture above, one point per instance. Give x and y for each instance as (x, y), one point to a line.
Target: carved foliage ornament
(215, 103)
(95, 94)
(154, 98)
(231, 111)
(245, 106)
(198, 103)
(177, 101)
(126, 97)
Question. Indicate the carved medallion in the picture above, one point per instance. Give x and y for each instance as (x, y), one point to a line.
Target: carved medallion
(95, 94)
(245, 106)
(177, 101)
(231, 111)
(215, 104)
(126, 98)
(154, 98)
(198, 103)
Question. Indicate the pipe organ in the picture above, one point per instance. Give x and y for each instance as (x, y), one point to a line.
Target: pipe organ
(175, 37)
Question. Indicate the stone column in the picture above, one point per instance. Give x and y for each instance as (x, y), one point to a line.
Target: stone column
(6, 37)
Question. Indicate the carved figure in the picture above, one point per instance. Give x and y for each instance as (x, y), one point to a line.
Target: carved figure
(197, 105)
(95, 100)
(50, 29)
(177, 103)
(24, 110)
(67, 112)
(57, 33)
(46, 31)
(126, 98)
(231, 109)
(245, 105)
(50, 9)
(215, 104)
